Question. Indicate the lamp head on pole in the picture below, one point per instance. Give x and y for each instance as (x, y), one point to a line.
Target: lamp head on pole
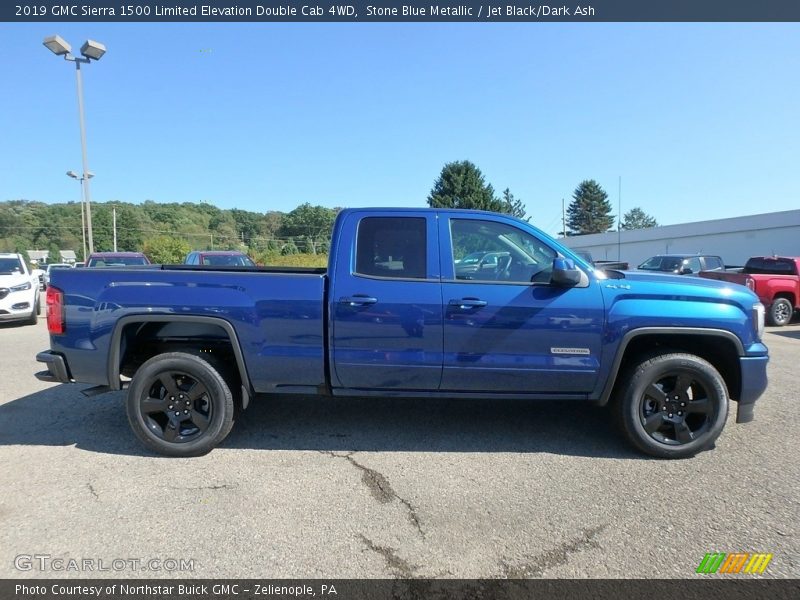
(57, 45)
(92, 49)
(72, 174)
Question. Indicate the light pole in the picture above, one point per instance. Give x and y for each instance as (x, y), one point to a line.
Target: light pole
(74, 175)
(90, 50)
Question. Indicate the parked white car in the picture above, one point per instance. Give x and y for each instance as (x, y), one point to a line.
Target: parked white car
(49, 270)
(19, 290)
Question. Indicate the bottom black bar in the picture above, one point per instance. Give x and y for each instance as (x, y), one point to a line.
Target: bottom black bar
(704, 587)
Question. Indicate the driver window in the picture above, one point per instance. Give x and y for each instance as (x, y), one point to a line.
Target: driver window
(694, 264)
(491, 251)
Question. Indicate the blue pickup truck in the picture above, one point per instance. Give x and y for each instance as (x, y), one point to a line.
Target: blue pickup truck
(399, 313)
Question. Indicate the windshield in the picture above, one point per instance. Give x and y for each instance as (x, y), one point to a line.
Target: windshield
(51, 267)
(228, 260)
(117, 261)
(10, 265)
(661, 263)
(471, 259)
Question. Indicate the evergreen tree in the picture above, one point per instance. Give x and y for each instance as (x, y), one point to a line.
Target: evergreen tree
(461, 185)
(590, 210)
(636, 218)
(513, 206)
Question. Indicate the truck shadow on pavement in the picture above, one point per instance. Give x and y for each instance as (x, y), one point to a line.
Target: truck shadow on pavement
(793, 334)
(62, 416)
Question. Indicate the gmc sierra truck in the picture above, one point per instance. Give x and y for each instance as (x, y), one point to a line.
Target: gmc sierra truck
(393, 315)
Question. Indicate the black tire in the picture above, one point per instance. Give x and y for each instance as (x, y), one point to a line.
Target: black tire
(34, 318)
(780, 313)
(179, 405)
(671, 405)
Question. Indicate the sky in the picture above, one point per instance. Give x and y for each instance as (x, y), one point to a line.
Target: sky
(700, 121)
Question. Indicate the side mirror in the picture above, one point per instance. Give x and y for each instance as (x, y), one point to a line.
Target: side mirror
(686, 271)
(564, 273)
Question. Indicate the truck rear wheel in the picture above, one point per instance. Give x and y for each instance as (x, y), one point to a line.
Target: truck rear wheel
(780, 313)
(179, 405)
(672, 405)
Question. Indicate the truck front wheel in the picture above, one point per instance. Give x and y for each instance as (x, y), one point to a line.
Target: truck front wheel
(672, 405)
(179, 405)
(780, 313)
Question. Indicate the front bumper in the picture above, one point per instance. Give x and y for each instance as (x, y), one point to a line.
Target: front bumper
(754, 382)
(57, 371)
(17, 305)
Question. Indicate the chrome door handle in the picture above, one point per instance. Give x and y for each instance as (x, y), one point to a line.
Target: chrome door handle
(468, 303)
(358, 300)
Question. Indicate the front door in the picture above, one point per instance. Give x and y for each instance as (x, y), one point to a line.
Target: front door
(506, 328)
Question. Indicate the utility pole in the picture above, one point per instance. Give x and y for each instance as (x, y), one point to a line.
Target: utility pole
(114, 216)
(563, 219)
(619, 220)
(90, 50)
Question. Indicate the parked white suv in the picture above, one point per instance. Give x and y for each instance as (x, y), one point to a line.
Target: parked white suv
(19, 290)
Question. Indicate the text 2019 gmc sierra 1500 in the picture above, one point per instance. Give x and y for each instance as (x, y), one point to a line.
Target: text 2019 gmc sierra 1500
(394, 315)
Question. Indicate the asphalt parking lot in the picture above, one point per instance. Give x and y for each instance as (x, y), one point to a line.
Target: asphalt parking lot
(388, 488)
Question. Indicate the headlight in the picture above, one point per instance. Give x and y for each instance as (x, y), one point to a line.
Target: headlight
(22, 287)
(758, 320)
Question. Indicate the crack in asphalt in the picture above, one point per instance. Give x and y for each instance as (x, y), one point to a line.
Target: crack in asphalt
(398, 564)
(380, 488)
(222, 486)
(92, 490)
(537, 565)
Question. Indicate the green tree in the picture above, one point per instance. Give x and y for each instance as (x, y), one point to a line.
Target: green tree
(513, 206)
(311, 224)
(590, 210)
(164, 249)
(462, 185)
(636, 218)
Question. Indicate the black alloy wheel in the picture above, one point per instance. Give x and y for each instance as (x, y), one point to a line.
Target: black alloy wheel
(180, 405)
(177, 407)
(672, 405)
(676, 409)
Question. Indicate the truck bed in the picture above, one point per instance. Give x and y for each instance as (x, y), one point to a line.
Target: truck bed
(276, 313)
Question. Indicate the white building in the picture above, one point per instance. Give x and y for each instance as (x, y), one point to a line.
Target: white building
(735, 239)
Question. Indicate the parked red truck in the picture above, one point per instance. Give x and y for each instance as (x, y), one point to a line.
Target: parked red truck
(776, 281)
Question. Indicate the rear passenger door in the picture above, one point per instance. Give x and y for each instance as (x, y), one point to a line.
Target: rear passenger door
(386, 303)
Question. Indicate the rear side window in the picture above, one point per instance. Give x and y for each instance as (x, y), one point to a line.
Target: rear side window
(713, 262)
(392, 247)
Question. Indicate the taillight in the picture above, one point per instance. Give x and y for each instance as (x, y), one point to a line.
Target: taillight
(750, 283)
(55, 310)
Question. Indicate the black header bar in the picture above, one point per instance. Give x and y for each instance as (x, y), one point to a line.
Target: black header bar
(394, 12)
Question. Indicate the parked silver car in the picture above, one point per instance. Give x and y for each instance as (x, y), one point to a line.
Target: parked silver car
(49, 268)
